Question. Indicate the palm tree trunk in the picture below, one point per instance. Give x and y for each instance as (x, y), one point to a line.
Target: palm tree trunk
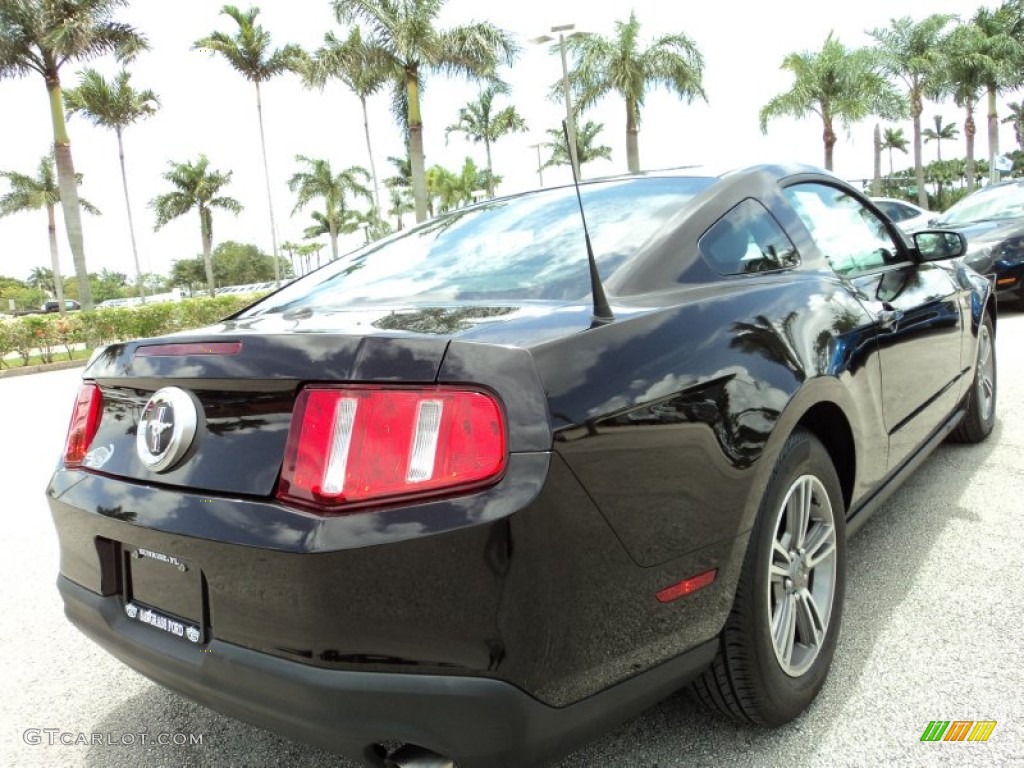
(829, 137)
(68, 184)
(890, 163)
(490, 168)
(206, 230)
(632, 137)
(369, 151)
(993, 133)
(969, 131)
(128, 208)
(916, 108)
(266, 178)
(332, 229)
(416, 161)
(876, 156)
(58, 281)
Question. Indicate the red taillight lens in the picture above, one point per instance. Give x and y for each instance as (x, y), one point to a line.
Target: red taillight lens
(360, 444)
(85, 419)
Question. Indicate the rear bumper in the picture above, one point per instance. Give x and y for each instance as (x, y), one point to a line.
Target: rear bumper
(480, 722)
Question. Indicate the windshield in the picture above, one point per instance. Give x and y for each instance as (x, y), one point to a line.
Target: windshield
(989, 204)
(520, 248)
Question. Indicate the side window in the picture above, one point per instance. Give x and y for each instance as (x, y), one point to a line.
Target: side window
(747, 239)
(853, 238)
(894, 211)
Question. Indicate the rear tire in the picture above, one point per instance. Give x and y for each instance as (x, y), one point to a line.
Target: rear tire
(778, 642)
(980, 418)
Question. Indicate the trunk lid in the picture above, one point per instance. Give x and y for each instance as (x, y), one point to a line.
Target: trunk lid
(243, 388)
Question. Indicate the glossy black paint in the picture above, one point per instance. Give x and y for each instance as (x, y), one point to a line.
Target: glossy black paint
(995, 246)
(639, 453)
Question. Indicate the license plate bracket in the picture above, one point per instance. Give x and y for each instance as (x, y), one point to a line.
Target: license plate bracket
(164, 592)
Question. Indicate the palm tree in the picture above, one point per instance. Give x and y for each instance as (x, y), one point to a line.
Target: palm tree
(290, 248)
(617, 64)
(196, 186)
(401, 204)
(407, 44)
(1001, 31)
(893, 138)
(452, 189)
(352, 62)
(250, 54)
(480, 124)
(319, 181)
(114, 105)
(30, 193)
(403, 174)
(965, 68)
(1016, 118)
(586, 150)
(876, 158)
(910, 52)
(42, 36)
(834, 84)
(942, 132)
(44, 280)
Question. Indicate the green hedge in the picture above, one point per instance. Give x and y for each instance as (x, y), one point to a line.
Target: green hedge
(55, 336)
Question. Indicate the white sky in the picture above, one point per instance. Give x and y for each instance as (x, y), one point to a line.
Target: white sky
(207, 107)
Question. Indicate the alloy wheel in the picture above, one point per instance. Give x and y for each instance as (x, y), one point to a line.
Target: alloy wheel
(802, 575)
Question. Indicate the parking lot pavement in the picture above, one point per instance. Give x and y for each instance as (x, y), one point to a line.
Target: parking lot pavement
(933, 630)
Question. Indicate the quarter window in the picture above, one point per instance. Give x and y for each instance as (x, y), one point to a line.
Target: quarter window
(747, 239)
(851, 236)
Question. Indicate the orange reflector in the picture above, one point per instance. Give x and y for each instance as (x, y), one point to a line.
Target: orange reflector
(686, 586)
(1006, 280)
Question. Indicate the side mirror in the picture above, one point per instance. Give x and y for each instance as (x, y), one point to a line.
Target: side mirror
(939, 244)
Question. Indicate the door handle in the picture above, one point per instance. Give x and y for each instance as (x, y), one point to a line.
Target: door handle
(889, 318)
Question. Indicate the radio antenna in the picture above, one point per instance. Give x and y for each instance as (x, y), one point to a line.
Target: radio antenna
(602, 312)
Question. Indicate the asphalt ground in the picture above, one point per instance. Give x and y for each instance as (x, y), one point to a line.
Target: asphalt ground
(933, 630)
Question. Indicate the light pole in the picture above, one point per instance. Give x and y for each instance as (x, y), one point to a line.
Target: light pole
(540, 165)
(570, 123)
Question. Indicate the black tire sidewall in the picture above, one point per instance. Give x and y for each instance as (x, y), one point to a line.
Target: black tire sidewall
(985, 426)
(783, 697)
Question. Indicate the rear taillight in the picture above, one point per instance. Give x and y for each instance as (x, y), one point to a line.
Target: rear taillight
(358, 445)
(85, 419)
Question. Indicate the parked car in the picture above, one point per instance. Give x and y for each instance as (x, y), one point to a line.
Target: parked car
(70, 305)
(992, 219)
(908, 216)
(466, 492)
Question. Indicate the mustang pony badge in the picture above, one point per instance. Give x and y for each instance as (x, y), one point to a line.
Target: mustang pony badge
(167, 428)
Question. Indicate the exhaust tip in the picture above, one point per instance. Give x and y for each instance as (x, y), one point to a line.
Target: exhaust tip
(412, 756)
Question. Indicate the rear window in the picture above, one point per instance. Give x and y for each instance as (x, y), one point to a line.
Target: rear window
(529, 247)
(747, 239)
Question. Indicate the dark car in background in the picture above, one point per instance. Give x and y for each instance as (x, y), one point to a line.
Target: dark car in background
(70, 305)
(992, 219)
(908, 216)
(437, 503)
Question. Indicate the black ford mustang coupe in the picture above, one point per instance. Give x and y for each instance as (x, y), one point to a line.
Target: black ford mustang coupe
(441, 502)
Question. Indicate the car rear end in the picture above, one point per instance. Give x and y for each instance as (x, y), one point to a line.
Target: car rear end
(310, 528)
(345, 521)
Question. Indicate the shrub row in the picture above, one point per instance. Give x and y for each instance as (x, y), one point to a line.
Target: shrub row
(53, 336)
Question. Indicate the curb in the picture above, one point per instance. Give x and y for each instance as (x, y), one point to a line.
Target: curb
(25, 370)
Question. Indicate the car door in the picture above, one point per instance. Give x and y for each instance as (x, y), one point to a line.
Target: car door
(916, 307)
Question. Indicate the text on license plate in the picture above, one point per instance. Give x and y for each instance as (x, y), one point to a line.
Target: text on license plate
(159, 620)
